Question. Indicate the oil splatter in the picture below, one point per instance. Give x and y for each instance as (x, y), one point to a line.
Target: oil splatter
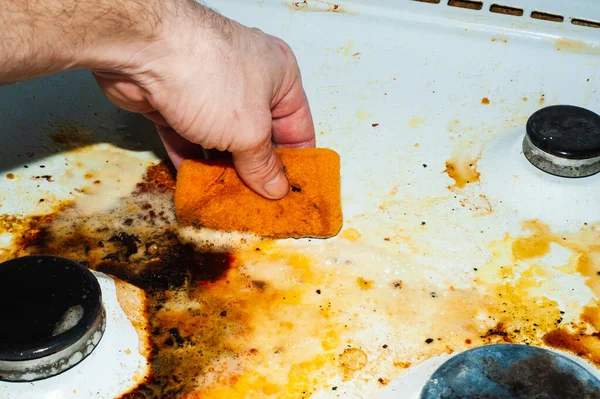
(416, 122)
(362, 115)
(350, 234)
(485, 101)
(290, 320)
(576, 46)
(462, 171)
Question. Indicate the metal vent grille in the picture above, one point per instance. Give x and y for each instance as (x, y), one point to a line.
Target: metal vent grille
(514, 11)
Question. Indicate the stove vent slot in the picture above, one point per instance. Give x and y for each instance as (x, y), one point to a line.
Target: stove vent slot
(514, 11)
(506, 10)
(547, 17)
(583, 22)
(469, 4)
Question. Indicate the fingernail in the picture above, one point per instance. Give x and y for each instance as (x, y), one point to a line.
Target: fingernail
(278, 186)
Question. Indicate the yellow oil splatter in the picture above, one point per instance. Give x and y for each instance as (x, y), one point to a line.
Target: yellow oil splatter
(576, 46)
(362, 115)
(364, 284)
(462, 171)
(416, 122)
(350, 234)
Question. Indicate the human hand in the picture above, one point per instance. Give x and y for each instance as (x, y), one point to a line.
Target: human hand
(213, 82)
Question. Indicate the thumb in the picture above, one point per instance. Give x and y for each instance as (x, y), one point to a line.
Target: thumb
(262, 170)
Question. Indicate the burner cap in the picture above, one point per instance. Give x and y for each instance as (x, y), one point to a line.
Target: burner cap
(564, 140)
(51, 316)
(511, 371)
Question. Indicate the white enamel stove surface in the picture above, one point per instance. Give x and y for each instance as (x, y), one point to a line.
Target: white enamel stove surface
(419, 72)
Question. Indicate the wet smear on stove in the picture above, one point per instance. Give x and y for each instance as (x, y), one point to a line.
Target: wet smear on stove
(288, 320)
(576, 46)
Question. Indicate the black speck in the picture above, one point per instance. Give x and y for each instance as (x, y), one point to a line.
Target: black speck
(296, 189)
(423, 223)
(42, 166)
(26, 167)
(334, 389)
(424, 165)
(319, 292)
(224, 313)
(433, 294)
(475, 268)
(429, 340)
(385, 346)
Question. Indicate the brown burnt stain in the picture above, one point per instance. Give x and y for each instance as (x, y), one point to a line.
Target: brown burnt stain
(485, 101)
(542, 99)
(68, 135)
(383, 381)
(462, 171)
(581, 344)
(499, 39)
(524, 99)
(319, 6)
(10, 176)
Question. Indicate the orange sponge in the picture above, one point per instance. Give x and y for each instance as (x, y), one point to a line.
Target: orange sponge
(211, 194)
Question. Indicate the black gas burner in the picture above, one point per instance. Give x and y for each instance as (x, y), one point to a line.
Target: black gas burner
(51, 316)
(564, 140)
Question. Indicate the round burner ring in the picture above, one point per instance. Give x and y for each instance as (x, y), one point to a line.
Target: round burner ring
(511, 371)
(564, 140)
(51, 316)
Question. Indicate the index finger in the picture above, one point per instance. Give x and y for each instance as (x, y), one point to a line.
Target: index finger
(292, 120)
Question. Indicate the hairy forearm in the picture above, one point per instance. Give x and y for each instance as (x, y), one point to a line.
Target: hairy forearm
(39, 37)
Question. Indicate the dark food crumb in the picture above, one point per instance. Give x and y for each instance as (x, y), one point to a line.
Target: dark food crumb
(385, 346)
(423, 223)
(334, 389)
(224, 313)
(429, 340)
(433, 294)
(175, 334)
(375, 124)
(424, 165)
(319, 292)
(296, 189)
(42, 166)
